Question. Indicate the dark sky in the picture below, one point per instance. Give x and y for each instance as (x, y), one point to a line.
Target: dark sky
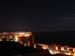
(37, 15)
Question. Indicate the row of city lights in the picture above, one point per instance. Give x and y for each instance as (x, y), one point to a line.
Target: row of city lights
(28, 34)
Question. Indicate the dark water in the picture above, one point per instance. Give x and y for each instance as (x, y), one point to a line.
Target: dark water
(61, 37)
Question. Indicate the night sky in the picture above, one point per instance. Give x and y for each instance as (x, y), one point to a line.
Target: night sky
(37, 15)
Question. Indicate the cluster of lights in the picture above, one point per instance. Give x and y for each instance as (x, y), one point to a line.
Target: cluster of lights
(26, 34)
(19, 34)
(56, 51)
